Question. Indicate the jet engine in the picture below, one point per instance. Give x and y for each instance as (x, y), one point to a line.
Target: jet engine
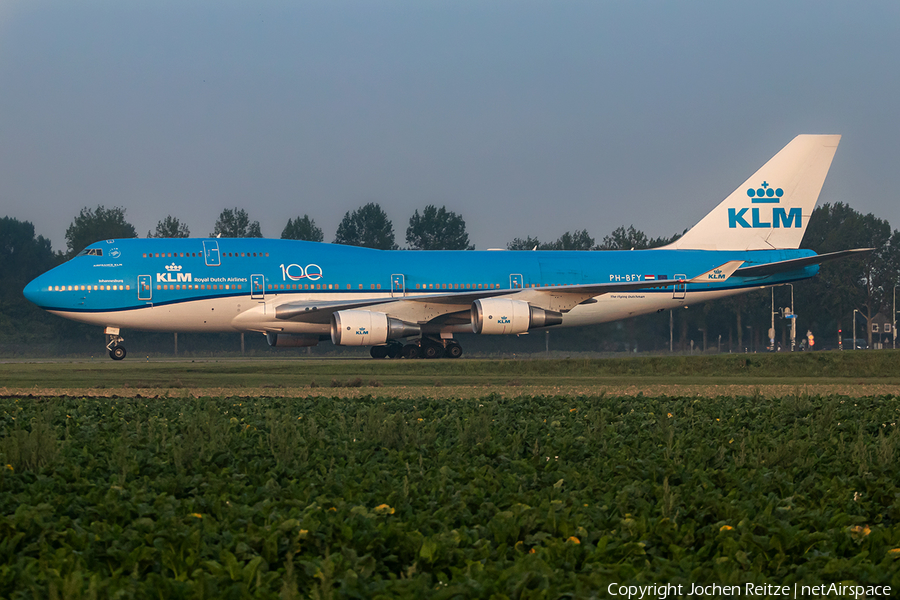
(497, 316)
(368, 328)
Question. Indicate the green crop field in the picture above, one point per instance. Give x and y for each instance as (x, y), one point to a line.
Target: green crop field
(490, 496)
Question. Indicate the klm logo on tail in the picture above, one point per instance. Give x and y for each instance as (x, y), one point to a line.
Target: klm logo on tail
(760, 218)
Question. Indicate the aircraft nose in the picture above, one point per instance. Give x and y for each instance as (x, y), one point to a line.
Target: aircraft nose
(35, 292)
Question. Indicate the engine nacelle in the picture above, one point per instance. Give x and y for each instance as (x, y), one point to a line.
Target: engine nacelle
(497, 316)
(368, 328)
(286, 340)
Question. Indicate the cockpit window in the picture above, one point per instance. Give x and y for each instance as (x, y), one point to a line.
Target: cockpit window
(91, 252)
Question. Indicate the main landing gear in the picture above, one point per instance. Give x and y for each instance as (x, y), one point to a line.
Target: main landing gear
(421, 348)
(115, 343)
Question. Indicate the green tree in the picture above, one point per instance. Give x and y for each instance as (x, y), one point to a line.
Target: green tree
(580, 240)
(302, 228)
(235, 223)
(437, 229)
(23, 256)
(633, 239)
(529, 243)
(625, 239)
(170, 227)
(98, 224)
(863, 283)
(367, 226)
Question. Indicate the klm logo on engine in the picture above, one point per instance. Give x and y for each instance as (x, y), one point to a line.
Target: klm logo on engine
(362, 331)
(759, 216)
(503, 321)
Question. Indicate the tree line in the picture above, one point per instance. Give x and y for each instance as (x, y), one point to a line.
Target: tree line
(824, 304)
(368, 226)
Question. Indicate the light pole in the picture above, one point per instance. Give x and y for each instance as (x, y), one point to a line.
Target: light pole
(854, 327)
(894, 320)
(793, 320)
(772, 326)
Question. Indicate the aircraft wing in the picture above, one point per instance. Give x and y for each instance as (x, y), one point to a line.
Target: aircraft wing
(425, 307)
(796, 263)
(320, 312)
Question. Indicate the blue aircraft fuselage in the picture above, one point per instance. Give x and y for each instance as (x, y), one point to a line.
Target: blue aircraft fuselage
(131, 276)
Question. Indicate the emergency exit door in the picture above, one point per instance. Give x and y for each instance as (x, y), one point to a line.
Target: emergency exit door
(680, 288)
(145, 287)
(211, 253)
(398, 285)
(257, 287)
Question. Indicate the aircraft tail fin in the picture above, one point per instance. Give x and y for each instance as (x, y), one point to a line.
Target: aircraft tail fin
(772, 208)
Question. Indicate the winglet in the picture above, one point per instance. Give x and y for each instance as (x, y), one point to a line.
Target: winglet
(720, 273)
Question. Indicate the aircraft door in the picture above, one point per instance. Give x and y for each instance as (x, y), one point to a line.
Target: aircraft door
(257, 287)
(515, 281)
(398, 285)
(211, 253)
(680, 288)
(145, 287)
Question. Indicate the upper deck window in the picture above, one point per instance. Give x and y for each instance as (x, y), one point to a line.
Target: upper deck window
(91, 252)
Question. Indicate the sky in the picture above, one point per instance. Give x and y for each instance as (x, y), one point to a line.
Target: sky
(526, 118)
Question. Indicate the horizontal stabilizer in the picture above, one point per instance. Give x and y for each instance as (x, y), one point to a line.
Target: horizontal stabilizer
(720, 273)
(797, 263)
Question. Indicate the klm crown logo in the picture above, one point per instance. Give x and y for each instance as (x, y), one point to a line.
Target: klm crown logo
(174, 275)
(764, 219)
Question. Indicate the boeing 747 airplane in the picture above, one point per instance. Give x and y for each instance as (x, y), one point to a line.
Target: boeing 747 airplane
(411, 303)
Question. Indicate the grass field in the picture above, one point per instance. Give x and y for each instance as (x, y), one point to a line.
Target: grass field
(786, 370)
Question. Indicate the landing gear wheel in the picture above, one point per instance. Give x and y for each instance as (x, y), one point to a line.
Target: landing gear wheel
(453, 350)
(117, 352)
(409, 351)
(394, 349)
(378, 351)
(432, 351)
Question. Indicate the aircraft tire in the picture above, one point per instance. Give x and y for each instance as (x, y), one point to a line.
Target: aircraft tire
(378, 351)
(117, 353)
(394, 349)
(409, 351)
(432, 351)
(453, 350)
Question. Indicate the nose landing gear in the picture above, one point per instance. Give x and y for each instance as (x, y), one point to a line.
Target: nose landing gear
(115, 343)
